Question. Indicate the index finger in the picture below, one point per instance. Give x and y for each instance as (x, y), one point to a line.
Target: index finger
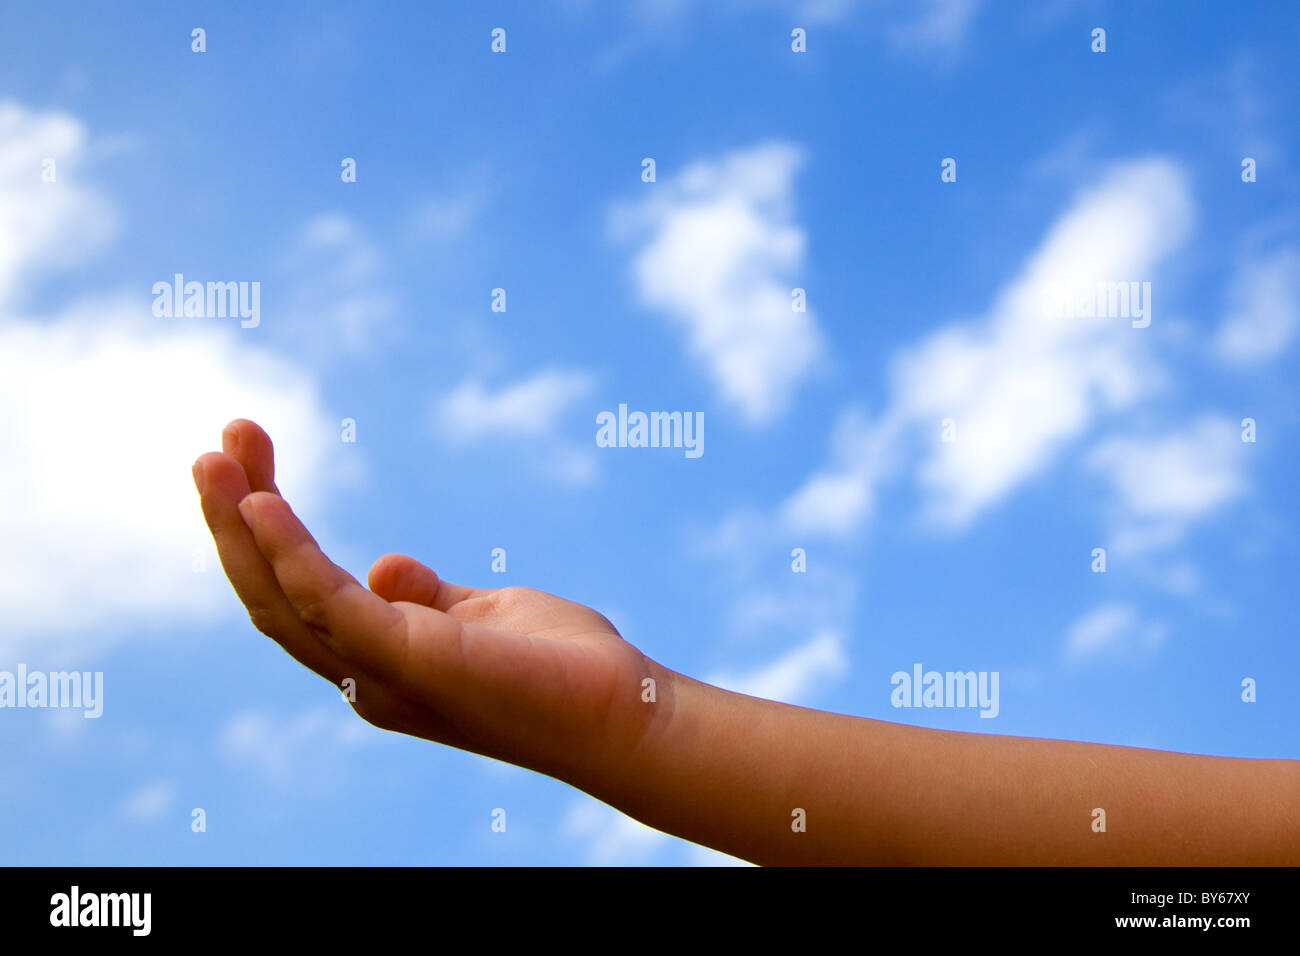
(356, 624)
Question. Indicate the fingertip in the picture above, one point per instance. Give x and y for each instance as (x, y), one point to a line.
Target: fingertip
(276, 529)
(379, 572)
(267, 534)
(254, 510)
(253, 505)
(246, 430)
(248, 444)
(210, 470)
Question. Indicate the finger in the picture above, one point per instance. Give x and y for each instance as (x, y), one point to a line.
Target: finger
(419, 652)
(249, 445)
(223, 484)
(361, 627)
(396, 577)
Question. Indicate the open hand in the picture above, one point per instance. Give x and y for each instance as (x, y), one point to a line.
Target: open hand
(511, 673)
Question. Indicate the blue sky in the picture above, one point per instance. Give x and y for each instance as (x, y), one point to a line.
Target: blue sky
(475, 429)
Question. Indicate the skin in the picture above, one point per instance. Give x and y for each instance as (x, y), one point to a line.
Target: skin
(533, 679)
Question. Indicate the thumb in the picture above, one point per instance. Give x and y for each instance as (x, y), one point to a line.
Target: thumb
(398, 577)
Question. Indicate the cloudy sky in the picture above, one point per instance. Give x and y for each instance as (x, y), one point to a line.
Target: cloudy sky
(947, 454)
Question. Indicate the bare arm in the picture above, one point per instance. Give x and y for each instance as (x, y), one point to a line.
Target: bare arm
(730, 771)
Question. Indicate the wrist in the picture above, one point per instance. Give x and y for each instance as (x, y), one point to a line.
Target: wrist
(679, 754)
(643, 745)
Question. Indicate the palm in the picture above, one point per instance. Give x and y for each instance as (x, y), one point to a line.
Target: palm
(507, 662)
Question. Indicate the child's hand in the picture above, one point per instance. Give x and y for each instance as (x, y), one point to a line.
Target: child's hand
(512, 673)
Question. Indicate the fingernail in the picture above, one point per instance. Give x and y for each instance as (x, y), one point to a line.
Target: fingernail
(198, 477)
(246, 506)
(229, 439)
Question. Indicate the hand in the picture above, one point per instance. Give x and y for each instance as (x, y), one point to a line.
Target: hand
(511, 673)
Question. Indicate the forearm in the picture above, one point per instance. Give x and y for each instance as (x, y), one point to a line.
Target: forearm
(731, 772)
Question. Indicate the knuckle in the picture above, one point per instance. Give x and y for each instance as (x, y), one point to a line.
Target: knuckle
(314, 610)
(262, 619)
(313, 614)
(510, 598)
(473, 609)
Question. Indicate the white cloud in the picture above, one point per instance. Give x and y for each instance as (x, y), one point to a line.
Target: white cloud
(909, 25)
(358, 259)
(1264, 310)
(448, 216)
(1111, 629)
(106, 409)
(339, 295)
(796, 676)
(532, 406)
(149, 802)
(1161, 484)
(106, 415)
(44, 226)
(935, 24)
(613, 838)
(1020, 384)
(530, 410)
(277, 746)
(841, 497)
(828, 502)
(721, 255)
(805, 603)
(1181, 577)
